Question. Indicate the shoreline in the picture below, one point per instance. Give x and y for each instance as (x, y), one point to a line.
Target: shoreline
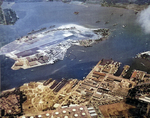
(98, 92)
(37, 98)
(93, 60)
(130, 6)
(136, 7)
(38, 54)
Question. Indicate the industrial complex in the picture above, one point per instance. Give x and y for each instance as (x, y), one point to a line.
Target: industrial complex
(101, 94)
(48, 45)
(106, 91)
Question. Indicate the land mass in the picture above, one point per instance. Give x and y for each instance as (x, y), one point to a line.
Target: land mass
(100, 94)
(144, 55)
(136, 6)
(7, 16)
(48, 45)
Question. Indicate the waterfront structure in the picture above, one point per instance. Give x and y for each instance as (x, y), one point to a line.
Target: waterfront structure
(95, 96)
(48, 45)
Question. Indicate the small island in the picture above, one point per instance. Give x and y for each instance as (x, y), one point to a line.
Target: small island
(106, 90)
(48, 45)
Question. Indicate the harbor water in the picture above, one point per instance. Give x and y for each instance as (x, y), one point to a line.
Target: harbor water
(126, 40)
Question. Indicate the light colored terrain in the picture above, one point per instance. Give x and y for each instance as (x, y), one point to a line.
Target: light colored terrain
(46, 46)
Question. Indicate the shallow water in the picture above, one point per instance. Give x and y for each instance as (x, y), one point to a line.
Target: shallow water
(123, 44)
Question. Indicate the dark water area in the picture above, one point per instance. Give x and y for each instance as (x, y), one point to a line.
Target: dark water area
(123, 44)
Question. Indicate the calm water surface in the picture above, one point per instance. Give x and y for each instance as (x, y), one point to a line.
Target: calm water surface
(123, 44)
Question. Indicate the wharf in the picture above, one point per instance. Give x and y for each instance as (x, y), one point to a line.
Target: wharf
(89, 98)
(48, 45)
(125, 69)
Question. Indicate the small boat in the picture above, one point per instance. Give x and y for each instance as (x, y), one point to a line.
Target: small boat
(76, 13)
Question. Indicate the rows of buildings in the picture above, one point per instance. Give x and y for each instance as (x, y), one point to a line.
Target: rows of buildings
(48, 45)
(100, 94)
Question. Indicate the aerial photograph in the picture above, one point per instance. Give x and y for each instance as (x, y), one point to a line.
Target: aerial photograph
(74, 58)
